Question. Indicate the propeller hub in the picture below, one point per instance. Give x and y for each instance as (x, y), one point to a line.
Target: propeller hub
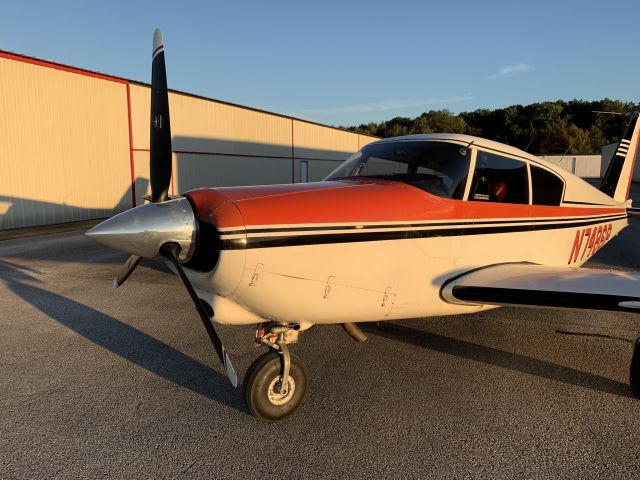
(143, 230)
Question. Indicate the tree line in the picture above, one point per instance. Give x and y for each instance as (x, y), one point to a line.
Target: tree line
(539, 128)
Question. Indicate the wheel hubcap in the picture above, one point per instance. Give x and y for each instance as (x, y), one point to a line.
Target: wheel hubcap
(274, 394)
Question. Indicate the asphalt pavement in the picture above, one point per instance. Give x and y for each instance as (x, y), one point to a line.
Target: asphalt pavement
(124, 384)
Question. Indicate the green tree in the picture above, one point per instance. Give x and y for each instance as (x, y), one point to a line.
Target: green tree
(543, 127)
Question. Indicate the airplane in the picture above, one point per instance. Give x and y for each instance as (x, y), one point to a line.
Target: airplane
(408, 227)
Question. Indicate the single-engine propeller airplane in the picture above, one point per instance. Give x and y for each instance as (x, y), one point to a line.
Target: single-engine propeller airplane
(408, 227)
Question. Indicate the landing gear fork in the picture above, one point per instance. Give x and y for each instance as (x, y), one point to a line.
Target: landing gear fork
(285, 363)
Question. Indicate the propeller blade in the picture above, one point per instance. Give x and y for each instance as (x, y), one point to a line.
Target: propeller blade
(160, 142)
(171, 251)
(126, 270)
(160, 134)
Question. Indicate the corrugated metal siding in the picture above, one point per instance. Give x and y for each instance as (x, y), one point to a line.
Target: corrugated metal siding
(206, 125)
(318, 167)
(316, 142)
(584, 166)
(141, 173)
(365, 140)
(215, 144)
(218, 128)
(140, 107)
(196, 171)
(64, 137)
(318, 170)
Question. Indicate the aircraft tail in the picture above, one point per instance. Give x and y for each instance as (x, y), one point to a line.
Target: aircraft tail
(617, 181)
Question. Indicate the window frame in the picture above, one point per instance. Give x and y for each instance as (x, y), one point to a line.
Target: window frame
(530, 183)
(472, 170)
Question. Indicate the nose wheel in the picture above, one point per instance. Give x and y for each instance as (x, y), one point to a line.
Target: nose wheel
(268, 397)
(275, 384)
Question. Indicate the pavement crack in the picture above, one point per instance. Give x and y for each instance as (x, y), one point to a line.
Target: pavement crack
(591, 334)
(185, 470)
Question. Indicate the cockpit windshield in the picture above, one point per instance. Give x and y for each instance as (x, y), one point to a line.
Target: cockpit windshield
(439, 168)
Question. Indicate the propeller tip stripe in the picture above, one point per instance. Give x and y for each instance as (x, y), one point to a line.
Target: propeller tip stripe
(158, 43)
(158, 50)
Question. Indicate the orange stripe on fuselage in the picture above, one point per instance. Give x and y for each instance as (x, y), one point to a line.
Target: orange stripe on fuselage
(359, 202)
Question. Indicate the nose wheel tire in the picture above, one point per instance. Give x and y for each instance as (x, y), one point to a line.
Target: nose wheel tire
(262, 387)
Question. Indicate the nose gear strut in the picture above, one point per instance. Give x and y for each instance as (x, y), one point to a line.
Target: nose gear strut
(285, 365)
(277, 336)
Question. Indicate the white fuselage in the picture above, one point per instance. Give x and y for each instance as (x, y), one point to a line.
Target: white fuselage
(377, 280)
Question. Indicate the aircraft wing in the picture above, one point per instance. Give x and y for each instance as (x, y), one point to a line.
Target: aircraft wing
(527, 284)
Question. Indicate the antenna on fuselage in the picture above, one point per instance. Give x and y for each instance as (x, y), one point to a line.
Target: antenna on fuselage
(530, 141)
(567, 150)
(467, 147)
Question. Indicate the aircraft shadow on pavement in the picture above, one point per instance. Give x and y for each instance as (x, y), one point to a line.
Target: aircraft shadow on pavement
(499, 358)
(121, 339)
(94, 255)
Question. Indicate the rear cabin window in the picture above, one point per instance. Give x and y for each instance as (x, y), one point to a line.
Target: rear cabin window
(546, 187)
(499, 179)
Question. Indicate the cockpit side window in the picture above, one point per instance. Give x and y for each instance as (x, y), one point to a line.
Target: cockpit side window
(499, 179)
(546, 187)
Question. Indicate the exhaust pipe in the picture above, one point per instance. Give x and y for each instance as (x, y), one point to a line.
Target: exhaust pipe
(356, 333)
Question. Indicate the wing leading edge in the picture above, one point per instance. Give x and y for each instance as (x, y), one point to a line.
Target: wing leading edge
(527, 284)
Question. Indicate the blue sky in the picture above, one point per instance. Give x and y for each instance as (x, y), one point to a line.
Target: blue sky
(348, 62)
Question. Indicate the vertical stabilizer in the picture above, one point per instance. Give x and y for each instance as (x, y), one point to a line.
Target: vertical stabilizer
(617, 180)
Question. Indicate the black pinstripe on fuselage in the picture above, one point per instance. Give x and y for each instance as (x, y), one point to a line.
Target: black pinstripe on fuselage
(284, 236)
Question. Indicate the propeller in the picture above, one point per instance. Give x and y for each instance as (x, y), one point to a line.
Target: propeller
(127, 236)
(160, 142)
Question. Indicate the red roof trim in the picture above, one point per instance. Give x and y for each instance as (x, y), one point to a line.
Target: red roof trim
(57, 66)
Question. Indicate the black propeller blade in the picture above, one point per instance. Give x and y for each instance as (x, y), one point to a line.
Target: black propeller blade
(160, 138)
(171, 251)
(160, 134)
(126, 270)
